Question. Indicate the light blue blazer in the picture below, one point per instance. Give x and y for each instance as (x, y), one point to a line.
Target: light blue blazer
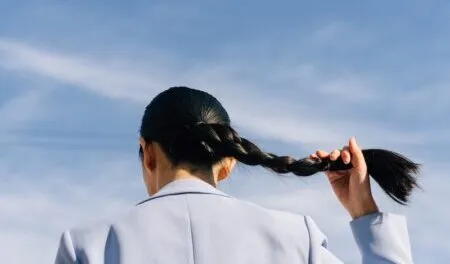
(191, 222)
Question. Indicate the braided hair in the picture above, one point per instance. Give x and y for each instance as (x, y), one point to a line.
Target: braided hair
(193, 127)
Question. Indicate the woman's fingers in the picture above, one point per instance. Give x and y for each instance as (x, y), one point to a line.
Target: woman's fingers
(345, 155)
(349, 154)
(357, 155)
(322, 154)
(334, 155)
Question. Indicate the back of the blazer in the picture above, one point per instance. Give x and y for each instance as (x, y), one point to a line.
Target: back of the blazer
(191, 222)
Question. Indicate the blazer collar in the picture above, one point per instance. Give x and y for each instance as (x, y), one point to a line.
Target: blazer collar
(186, 186)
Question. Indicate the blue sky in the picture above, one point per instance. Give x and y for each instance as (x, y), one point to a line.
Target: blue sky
(295, 76)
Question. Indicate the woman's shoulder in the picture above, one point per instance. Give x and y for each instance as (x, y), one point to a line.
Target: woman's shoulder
(89, 232)
(298, 223)
(278, 217)
(94, 231)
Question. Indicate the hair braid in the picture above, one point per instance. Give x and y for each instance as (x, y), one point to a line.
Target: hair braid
(393, 172)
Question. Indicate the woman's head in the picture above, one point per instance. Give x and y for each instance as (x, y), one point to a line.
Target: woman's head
(174, 130)
(188, 130)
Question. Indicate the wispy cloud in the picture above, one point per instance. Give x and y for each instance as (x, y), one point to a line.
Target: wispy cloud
(133, 84)
(286, 120)
(85, 74)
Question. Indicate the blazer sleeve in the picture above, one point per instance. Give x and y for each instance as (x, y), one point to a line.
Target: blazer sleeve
(66, 252)
(382, 238)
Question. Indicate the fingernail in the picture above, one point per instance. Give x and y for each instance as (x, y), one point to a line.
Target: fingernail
(347, 160)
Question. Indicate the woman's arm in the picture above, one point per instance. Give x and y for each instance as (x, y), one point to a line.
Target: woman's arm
(381, 237)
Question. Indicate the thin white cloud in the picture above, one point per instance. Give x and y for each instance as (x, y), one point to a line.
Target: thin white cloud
(294, 120)
(128, 84)
(102, 79)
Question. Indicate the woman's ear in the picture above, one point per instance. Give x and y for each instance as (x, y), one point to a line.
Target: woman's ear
(226, 166)
(148, 157)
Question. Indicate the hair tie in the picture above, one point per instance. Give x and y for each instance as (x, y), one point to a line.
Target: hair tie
(199, 123)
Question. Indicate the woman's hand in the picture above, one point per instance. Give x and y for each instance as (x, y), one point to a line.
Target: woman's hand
(352, 187)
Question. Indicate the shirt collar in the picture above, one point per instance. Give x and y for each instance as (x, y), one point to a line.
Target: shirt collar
(185, 186)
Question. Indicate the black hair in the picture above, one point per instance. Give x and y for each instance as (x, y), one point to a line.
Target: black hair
(192, 127)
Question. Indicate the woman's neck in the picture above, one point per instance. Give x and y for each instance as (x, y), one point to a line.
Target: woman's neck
(185, 174)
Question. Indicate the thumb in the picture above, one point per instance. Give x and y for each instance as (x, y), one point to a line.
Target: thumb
(357, 159)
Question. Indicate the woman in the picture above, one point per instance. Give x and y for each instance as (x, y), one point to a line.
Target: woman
(187, 147)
